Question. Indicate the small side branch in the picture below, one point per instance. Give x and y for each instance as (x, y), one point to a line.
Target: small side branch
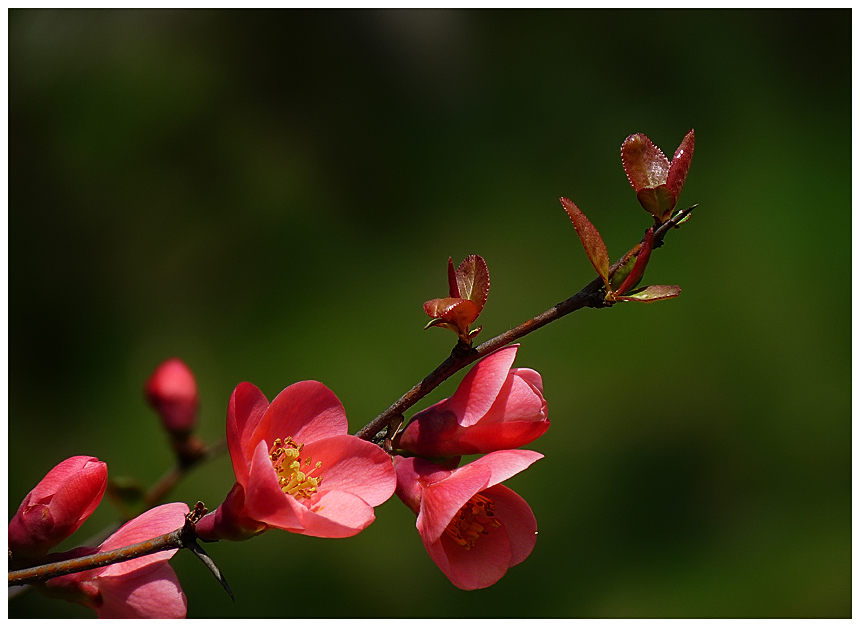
(183, 538)
(166, 542)
(589, 296)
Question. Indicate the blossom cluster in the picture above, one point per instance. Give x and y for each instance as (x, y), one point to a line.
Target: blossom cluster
(473, 527)
(298, 469)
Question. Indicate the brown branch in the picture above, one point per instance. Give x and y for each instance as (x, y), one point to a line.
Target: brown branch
(165, 542)
(589, 296)
(183, 538)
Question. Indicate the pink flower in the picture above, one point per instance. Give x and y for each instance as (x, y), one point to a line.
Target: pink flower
(57, 506)
(494, 408)
(472, 527)
(145, 587)
(297, 468)
(172, 392)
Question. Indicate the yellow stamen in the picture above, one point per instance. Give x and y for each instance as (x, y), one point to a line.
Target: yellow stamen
(286, 460)
(474, 519)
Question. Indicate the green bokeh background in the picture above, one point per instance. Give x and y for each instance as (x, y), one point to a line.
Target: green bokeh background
(271, 196)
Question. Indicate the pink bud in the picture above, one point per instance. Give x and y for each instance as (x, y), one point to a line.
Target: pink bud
(172, 392)
(56, 507)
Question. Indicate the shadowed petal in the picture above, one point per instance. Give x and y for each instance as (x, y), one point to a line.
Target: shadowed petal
(152, 523)
(479, 567)
(154, 593)
(517, 517)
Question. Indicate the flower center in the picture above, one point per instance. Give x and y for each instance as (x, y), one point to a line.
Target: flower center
(287, 462)
(474, 519)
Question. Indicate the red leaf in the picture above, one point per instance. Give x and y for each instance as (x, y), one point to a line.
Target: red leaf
(658, 201)
(681, 164)
(591, 240)
(651, 293)
(639, 267)
(438, 307)
(645, 164)
(473, 280)
(459, 312)
(453, 289)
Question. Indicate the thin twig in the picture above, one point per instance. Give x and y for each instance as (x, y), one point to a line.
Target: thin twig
(589, 296)
(165, 542)
(183, 538)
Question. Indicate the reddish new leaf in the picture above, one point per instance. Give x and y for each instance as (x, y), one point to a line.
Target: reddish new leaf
(624, 268)
(651, 293)
(645, 164)
(591, 240)
(473, 280)
(639, 267)
(455, 313)
(439, 307)
(681, 164)
(453, 289)
(658, 201)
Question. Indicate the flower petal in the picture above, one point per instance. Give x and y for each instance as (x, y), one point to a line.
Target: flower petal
(517, 400)
(517, 518)
(244, 411)
(336, 515)
(350, 464)
(264, 499)
(505, 464)
(305, 411)
(500, 436)
(154, 593)
(154, 522)
(481, 566)
(478, 390)
(441, 501)
(532, 377)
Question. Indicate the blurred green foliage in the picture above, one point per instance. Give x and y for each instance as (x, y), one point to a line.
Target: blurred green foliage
(271, 196)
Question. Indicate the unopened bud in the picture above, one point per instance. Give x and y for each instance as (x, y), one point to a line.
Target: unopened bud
(57, 506)
(172, 392)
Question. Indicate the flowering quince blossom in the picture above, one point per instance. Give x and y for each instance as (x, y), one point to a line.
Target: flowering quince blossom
(57, 506)
(494, 408)
(145, 587)
(297, 468)
(472, 527)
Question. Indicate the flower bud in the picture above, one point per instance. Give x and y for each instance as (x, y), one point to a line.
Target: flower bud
(172, 392)
(56, 507)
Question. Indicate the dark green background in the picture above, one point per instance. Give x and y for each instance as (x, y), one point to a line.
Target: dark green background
(271, 196)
